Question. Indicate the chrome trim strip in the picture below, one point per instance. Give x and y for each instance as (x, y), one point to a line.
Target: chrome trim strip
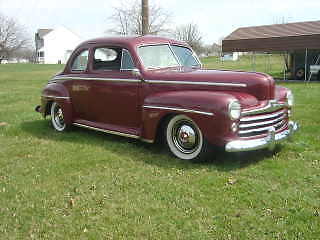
(261, 129)
(259, 143)
(178, 109)
(261, 123)
(56, 97)
(261, 117)
(198, 83)
(272, 105)
(154, 81)
(98, 79)
(107, 131)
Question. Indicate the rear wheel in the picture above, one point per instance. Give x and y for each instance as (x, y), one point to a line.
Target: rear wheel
(57, 118)
(185, 139)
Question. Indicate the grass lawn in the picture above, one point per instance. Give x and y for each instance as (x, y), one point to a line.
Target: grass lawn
(88, 185)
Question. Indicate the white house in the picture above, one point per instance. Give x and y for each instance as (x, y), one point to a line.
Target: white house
(55, 45)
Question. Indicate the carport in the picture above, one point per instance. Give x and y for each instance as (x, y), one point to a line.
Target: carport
(301, 38)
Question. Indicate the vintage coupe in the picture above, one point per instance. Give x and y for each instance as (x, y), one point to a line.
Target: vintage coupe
(144, 87)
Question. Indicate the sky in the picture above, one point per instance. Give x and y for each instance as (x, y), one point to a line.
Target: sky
(216, 18)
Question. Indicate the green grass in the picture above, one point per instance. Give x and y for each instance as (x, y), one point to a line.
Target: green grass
(272, 64)
(89, 185)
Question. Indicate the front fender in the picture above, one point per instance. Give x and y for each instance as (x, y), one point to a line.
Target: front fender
(209, 110)
(55, 92)
(281, 93)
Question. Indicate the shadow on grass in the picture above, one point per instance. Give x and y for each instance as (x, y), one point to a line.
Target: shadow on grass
(154, 154)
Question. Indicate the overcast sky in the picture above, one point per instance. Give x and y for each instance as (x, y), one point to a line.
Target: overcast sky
(215, 18)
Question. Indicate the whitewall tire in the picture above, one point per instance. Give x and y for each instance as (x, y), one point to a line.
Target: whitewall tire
(57, 118)
(184, 138)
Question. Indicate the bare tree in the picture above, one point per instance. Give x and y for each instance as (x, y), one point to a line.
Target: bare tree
(25, 54)
(127, 19)
(190, 34)
(12, 37)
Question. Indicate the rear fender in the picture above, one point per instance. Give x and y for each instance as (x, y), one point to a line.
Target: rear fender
(209, 110)
(56, 92)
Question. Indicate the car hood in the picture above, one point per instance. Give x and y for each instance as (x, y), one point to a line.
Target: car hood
(259, 85)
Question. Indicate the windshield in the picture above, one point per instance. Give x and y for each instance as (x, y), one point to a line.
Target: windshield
(186, 56)
(157, 56)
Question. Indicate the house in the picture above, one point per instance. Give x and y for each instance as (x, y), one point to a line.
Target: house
(55, 45)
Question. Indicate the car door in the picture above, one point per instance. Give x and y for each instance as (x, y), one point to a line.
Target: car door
(115, 90)
(78, 86)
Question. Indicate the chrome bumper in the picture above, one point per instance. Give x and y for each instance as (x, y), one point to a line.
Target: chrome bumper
(266, 142)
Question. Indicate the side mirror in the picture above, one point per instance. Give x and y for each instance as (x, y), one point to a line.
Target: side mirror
(136, 72)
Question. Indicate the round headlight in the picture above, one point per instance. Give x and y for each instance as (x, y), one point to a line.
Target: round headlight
(234, 110)
(290, 98)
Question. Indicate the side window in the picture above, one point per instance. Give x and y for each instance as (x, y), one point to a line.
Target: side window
(107, 59)
(126, 61)
(81, 61)
(185, 56)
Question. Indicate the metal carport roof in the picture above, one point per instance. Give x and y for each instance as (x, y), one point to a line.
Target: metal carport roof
(276, 37)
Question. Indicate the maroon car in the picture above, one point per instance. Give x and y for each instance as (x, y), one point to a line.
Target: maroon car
(142, 87)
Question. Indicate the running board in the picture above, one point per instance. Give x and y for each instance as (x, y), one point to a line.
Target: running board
(113, 132)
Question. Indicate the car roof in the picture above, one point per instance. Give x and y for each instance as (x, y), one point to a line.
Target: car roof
(134, 41)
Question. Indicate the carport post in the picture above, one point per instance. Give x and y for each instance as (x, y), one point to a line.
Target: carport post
(305, 65)
(254, 61)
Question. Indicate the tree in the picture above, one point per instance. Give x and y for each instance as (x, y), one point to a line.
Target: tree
(127, 19)
(190, 34)
(12, 37)
(27, 53)
(212, 50)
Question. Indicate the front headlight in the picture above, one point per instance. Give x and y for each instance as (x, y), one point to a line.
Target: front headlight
(234, 110)
(290, 98)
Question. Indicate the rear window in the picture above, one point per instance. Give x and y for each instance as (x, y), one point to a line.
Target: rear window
(81, 61)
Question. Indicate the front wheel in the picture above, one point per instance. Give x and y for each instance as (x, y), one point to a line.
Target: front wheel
(185, 139)
(57, 118)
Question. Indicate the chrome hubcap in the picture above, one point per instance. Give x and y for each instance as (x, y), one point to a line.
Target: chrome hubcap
(185, 137)
(58, 117)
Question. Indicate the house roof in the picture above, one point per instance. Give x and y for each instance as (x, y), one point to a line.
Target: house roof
(276, 37)
(43, 32)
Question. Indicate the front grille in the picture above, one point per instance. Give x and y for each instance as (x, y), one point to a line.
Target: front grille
(260, 124)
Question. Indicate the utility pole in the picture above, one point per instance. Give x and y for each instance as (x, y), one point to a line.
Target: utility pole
(145, 17)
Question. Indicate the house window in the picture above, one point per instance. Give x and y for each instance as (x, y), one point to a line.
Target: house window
(81, 61)
(41, 54)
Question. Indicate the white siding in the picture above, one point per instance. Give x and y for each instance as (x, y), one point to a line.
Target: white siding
(58, 44)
